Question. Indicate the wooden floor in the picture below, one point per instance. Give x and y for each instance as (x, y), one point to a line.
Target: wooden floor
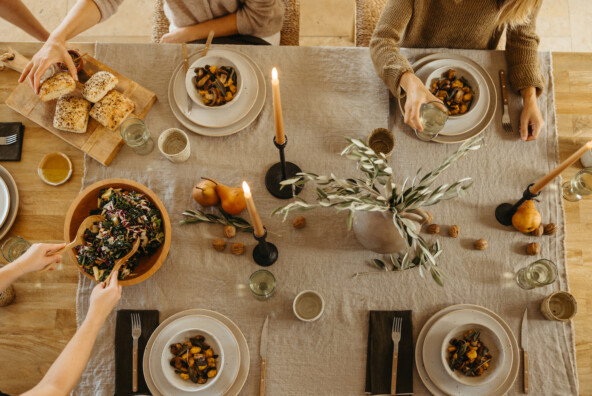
(37, 326)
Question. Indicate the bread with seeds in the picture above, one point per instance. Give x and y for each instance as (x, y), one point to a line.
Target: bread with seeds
(71, 114)
(112, 109)
(98, 86)
(57, 85)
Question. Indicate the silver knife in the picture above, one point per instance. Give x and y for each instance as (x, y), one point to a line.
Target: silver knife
(263, 354)
(186, 67)
(524, 344)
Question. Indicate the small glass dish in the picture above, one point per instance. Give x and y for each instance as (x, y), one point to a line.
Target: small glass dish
(55, 168)
(14, 247)
(433, 116)
(262, 284)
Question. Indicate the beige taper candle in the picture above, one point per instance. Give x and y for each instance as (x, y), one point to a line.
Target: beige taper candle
(257, 225)
(280, 138)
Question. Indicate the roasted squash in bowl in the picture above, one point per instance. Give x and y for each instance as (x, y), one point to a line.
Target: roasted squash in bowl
(213, 82)
(456, 87)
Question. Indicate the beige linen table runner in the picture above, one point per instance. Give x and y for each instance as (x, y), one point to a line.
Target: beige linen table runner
(329, 93)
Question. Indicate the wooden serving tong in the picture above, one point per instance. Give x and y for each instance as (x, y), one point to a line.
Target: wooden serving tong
(119, 262)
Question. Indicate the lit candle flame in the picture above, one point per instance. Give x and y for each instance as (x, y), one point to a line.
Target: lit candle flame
(274, 75)
(246, 190)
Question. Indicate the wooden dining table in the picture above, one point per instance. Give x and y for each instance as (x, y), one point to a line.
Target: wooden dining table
(39, 323)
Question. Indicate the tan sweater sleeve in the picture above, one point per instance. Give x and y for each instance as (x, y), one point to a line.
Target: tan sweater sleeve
(260, 18)
(107, 8)
(384, 45)
(522, 56)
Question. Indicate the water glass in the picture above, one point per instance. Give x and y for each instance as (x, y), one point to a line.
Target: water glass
(14, 247)
(579, 186)
(136, 135)
(540, 273)
(262, 284)
(433, 116)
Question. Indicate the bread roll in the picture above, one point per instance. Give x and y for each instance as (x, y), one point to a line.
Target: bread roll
(112, 109)
(57, 85)
(71, 114)
(98, 86)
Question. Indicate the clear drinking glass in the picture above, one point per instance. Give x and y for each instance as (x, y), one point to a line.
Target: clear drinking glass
(136, 135)
(579, 186)
(14, 247)
(540, 273)
(433, 116)
(262, 284)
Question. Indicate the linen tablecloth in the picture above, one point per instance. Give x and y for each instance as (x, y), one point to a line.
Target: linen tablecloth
(329, 93)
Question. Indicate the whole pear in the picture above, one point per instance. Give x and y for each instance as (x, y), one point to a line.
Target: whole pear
(527, 218)
(205, 194)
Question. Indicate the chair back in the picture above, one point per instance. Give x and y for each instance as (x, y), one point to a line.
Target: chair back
(367, 14)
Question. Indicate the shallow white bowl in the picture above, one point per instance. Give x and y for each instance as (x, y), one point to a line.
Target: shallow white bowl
(460, 72)
(212, 60)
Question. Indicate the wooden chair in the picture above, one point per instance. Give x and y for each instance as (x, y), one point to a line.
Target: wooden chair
(367, 14)
(289, 34)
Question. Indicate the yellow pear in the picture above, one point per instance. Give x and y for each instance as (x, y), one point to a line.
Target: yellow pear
(527, 218)
(205, 194)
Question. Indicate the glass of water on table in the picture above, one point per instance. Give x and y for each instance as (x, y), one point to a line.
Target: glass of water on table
(135, 133)
(540, 273)
(433, 116)
(579, 186)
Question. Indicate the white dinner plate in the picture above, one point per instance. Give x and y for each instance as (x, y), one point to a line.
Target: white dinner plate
(160, 356)
(222, 131)
(4, 201)
(432, 352)
(223, 116)
(513, 355)
(244, 357)
(14, 201)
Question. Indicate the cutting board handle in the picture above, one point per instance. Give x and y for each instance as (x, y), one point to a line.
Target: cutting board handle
(13, 60)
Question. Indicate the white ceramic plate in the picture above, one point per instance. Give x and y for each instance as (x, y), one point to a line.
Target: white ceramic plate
(163, 374)
(432, 353)
(244, 364)
(212, 60)
(513, 355)
(14, 201)
(4, 201)
(222, 131)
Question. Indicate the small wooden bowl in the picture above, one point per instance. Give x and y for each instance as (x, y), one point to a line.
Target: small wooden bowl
(87, 201)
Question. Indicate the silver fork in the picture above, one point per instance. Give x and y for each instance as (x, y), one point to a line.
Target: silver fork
(396, 334)
(505, 114)
(8, 140)
(136, 333)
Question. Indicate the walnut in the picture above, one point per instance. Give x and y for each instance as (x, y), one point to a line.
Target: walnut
(237, 248)
(229, 231)
(550, 229)
(453, 231)
(433, 229)
(533, 249)
(481, 244)
(299, 222)
(219, 244)
(538, 231)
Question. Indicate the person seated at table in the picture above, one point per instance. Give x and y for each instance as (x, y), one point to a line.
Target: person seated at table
(190, 21)
(65, 372)
(15, 12)
(472, 24)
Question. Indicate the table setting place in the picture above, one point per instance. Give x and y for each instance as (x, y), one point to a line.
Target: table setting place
(308, 243)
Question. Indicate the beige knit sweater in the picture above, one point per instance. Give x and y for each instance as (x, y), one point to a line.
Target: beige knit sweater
(259, 18)
(450, 24)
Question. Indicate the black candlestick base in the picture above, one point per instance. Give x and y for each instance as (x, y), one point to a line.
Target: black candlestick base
(265, 253)
(505, 211)
(274, 176)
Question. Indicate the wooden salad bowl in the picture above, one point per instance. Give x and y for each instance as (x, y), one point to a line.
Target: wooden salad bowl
(87, 200)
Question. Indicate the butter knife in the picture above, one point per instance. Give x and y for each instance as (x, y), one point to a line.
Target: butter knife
(524, 345)
(263, 354)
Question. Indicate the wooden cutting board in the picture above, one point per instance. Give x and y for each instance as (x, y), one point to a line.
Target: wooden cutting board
(99, 142)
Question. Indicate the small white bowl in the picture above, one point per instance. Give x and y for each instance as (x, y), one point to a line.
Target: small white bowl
(489, 339)
(173, 144)
(460, 72)
(169, 371)
(308, 306)
(43, 162)
(212, 60)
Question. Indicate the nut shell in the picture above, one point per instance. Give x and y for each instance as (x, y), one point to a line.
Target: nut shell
(550, 229)
(533, 249)
(454, 231)
(538, 231)
(433, 229)
(299, 222)
(219, 244)
(229, 231)
(237, 248)
(481, 244)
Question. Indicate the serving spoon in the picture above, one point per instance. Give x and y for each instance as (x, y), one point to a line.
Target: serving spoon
(120, 261)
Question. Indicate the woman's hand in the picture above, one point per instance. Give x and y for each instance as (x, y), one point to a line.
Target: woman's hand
(39, 256)
(181, 35)
(104, 298)
(416, 95)
(53, 51)
(531, 120)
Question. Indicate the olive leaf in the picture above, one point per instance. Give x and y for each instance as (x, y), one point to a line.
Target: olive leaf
(198, 216)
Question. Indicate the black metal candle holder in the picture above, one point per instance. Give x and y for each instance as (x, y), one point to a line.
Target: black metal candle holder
(505, 211)
(265, 253)
(282, 171)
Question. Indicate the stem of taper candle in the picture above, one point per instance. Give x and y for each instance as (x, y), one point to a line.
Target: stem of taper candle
(257, 225)
(277, 108)
(560, 168)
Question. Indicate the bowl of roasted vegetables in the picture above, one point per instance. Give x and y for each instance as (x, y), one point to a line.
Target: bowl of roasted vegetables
(131, 211)
(213, 82)
(193, 360)
(471, 354)
(456, 87)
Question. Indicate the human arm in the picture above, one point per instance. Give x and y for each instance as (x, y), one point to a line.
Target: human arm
(65, 372)
(224, 26)
(15, 12)
(37, 257)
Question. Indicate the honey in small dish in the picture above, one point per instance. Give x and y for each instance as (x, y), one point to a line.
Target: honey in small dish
(55, 168)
